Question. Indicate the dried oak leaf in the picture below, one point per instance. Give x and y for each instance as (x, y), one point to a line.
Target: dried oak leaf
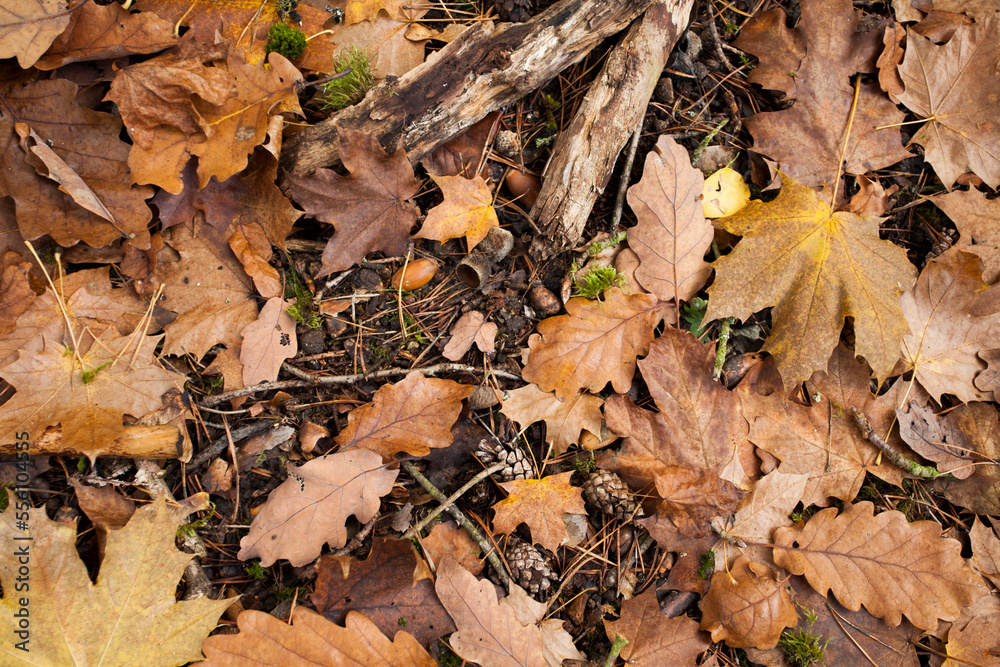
(28, 27)
(821, 268)
(267, 342)
(936, 439)
(310, 508)
(972, 639)
(386, 588)
(367, 10)
(128, 615)
(252, 248)
(209, 291)
(944, 339)
(956, 88)
(467, 210)
(672, 234)
(975, 216)
(884, 562)
(596, 343)
(448, 539)
(412, 416)
(87, 143)
(747, 606)
(565, 421)
(369, 207)
(311, 640)
(385, 42)
(977, 9)
(653, 639)
(471, 328)
(541, 504)
(985, 551)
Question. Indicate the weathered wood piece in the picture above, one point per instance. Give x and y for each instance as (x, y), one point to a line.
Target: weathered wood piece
(145, 442)
(485, 68)
(585, 152)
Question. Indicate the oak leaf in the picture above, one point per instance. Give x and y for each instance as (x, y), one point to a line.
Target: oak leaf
(467, 210)
(128, 615)
(369, 207)
(747, 606)
(310, 508)
(410, 416)
(565, 421)
(975, 216)
(822, 267)
(936, 439)
(972, 639)
(884, 562)
(672, 235)
(596, 343)
(471, 328)
(28, 27)
(368, 10)
(448, 539)
(541, 504)
(767, 507)
(954, 87)
(267, 342)
(985, 551)
(311, 639)
(253, 249)
(385, 42)
(654, 639)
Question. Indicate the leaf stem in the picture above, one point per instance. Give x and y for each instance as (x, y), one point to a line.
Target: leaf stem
(897, 459)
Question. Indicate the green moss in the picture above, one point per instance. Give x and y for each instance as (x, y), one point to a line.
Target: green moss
(188, 529)
(351, 88)
(598, 279)
(255, 571)
(585, 465)
(802, 647)
(447, 657)
(596, 247)
(693, 312)
(706, 564)
(304, 311)
(286, 40)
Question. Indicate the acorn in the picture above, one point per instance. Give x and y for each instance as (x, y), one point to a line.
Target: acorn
(543, 300)
(524, 187)
(415, 274)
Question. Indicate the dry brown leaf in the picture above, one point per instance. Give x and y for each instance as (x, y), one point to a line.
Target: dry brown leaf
(129, 614)
(747, 607)
(313, 640)
(467, 210)
(267, 343)
(369, 207)
(985, 551)
(821, 268)
(954, 87)
(368, 10)
(449, 540)
(28, 27)
(105, 508)
(692, 498)
(253, 250)
(884, 562)
(565, 421)
(888, 61)
(672, 235)
(410, 416)
(975, 216)
(871, 199)
(653, 639)
(471, 328)
(936, 439)
(541, 504)
(981, 492)
(310, 508)
(944, 339)
(596, 343)
(973, 638)
(385, 42)
(462, 154)
(16, 295)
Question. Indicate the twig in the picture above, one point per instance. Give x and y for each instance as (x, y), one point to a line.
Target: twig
(725, 327)
(616, 217)
(616, 648)
(415, 530)
(897, 459)
(487, 549)
(216, 447)
(703, 144)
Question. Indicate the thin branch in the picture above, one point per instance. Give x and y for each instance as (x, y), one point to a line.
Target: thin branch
(415, 530)
(897, 459)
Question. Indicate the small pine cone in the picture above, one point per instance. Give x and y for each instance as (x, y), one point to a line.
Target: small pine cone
(480, 497)
(517, 464)
(516, 11)
(528, 568)
(606, 491)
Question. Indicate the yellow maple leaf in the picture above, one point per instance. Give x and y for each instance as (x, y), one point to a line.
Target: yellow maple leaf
(815, 268)
(467, 210)
(540, 503)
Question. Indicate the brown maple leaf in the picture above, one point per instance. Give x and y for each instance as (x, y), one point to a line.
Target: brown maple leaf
(936, 439)
(410, 416)
(369, 207)
(541, 504)
(267, 343)
(975, 216)
(654, 639)
(467, 210)
(980, 493)
(884, 562)
(692, 498)
(985, 551)
(310, 508)
(16, 295)
(471, 329)
(954, 88)
(28, 28)
(596, 343)
(672, 235)
(821, 268)
(565, 421)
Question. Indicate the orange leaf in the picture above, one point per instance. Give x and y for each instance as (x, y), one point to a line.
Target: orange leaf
(467, 211)
(253, 250)
(565, 421)
(540, 503)
(653, 639)
(747, 607)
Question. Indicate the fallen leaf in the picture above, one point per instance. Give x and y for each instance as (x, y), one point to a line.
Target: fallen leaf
(565, 421)
(267, 343)
(954, 88)
(980, 493)
(888, 62)
(462, 154)
(311, 639)
(725, 193)
(541, 504)
(985, 551)
(449, 540)
(596, 343)
(972, 640)
(385, 42)
(105, 508)
(252, 248)
(28, 28)
(369, 207)
(310, 508)
(692, 498)
(471, 328)
(368, 10)
(467, 210)
(557, 644)
(654, 639)
(129, 613)
(747, 606)
(977, 9)
(672, 235)
(935, 439)
(884, 562)
(944, 339)
(975, 216)
(384, 589)
(871, 199)
(16, 295)
(410, 416)
(822, 267)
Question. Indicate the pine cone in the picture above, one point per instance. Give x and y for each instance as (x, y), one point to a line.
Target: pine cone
(517, 464)
(516, 11)
(480, 497)
(606, 491)
(528, 568)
